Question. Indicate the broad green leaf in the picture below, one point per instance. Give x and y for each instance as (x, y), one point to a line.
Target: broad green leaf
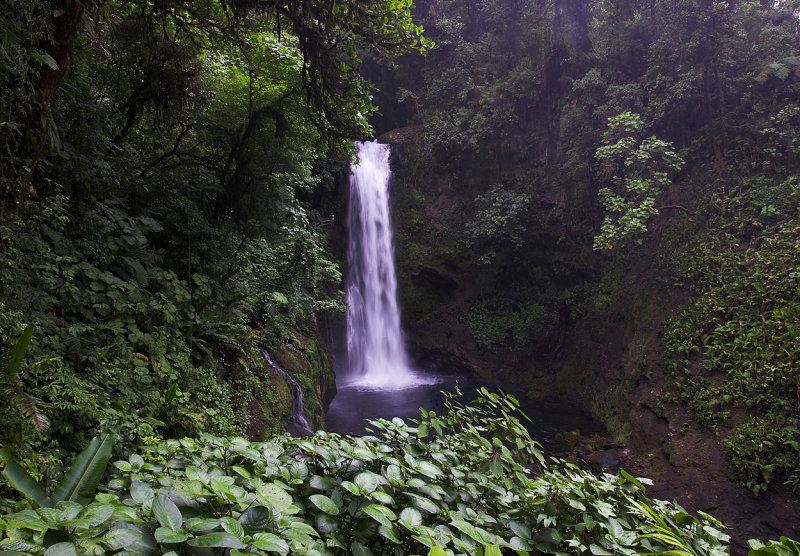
(381, 514)
(201, 524)
(393, 474)
(320, 483)
(86, 472)
(61, 549)
(273, 496)
(324, 503)
(141, 491)
(389, 532)
(410, 518)
(167, 513)
(216, 540)
(255, 519)
(468, 529)
(326, 523)
(17, 353)
(382, 497)
(122, 539)
(165, 535)
(270, 543)
(98, 514)
(28, 520)
(366, 482)
(18, 478)
(492, 550)
(428, 469)
(232, 526)
(358, 549)
(437, 551)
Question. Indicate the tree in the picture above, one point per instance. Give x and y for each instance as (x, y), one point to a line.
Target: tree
(640, 168)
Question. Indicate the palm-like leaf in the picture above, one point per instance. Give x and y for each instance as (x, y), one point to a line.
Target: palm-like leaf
(86, 472)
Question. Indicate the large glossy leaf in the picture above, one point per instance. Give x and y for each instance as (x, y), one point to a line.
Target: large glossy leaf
(18, 478)
(86, 472)
(167, 513)
(324, 503)
(17, 353)
(270, 543)
(218, 540)
(61, 549)
(255, 519)
(165, 535)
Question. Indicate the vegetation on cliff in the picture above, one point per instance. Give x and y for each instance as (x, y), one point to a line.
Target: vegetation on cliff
(525, 120)
(163, 166)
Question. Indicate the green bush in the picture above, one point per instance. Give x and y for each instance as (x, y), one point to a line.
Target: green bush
(469, 482)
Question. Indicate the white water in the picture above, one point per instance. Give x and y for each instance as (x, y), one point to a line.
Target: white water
(376, 354)
(298, 421)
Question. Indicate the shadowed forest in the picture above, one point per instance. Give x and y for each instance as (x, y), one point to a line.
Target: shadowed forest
(594, 202)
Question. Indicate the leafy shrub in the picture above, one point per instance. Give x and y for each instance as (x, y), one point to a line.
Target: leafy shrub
(456, 484)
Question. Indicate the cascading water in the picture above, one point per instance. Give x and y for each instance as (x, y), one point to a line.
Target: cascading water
(298, 422)
(376, 353)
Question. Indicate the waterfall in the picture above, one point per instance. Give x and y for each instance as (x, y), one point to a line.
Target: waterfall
(298, 421)
(376, 353)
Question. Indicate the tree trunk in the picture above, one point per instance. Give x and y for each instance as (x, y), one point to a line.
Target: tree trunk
(67, 17)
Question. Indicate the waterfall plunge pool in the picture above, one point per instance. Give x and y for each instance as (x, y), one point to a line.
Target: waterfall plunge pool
(352, 406)
(377, 378)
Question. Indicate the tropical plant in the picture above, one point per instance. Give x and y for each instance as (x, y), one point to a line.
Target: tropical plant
(79, 483)
(12, 385)
(640, 170)
(468, 482)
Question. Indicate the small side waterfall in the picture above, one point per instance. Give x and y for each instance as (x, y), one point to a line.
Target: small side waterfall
(376, 353)
(298, 421)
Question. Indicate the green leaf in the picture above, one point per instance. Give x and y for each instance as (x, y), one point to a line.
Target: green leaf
(468, 529)
(18, 478)
(411, 518)
(232, 526)
(86, 472)
(270, 543)
(324, 503)
(492, 550)
(254, 519)
(366, 482)
(61, 549)
(122, 539)
(167, 513)
(389, 533)
(141, 492)
(381, 514)
(201, 524)
(17, 353)
(165, 535)
(97, 514)
(437, 551)
(428, 469)
(631, 479)
(273, 496)
(216, 540)
(358, 549)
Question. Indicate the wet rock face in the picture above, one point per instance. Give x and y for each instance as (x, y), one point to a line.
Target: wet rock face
(307, 359)
(439, 284)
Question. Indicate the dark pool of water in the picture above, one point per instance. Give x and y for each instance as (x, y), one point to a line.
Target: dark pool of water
(351, 407)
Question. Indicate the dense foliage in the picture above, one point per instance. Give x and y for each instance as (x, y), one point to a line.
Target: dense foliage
(734, 349)
(164, 164)
(468, 482)
(552, 125)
